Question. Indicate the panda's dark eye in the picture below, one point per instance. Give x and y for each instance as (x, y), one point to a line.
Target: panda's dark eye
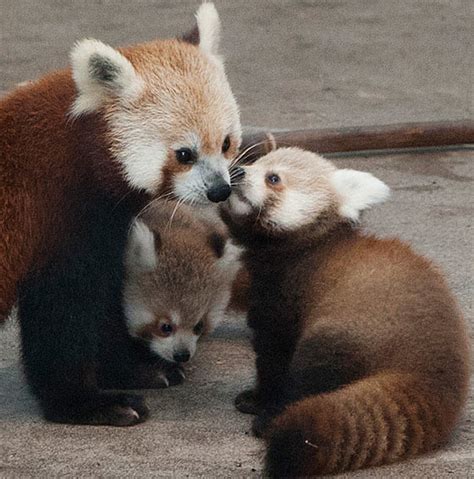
(273, 179)
(185, 156)
(198, 328)
(166, 329)
(226, 144)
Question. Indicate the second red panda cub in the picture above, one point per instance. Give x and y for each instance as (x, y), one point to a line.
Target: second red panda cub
(362, 352)
(180, 271)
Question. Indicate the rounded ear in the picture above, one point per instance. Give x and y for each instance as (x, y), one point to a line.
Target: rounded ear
(209, 28)
(358, 191)
(142, 247)
(100, 71)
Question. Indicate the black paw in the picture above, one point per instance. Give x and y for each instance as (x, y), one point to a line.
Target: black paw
(247, 402)
(105, 409)
(165, 378)
(146, 376)
(175, 375)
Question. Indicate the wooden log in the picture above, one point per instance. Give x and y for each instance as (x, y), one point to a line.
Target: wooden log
(337, 140)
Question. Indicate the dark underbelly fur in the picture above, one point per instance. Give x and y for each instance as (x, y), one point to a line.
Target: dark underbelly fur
(74, 337)
(289, 369)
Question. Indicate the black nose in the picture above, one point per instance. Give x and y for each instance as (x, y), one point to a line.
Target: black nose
(182, 357)
(218, 193)
(237, 174)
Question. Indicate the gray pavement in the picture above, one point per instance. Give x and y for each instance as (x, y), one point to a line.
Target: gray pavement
(293, 64)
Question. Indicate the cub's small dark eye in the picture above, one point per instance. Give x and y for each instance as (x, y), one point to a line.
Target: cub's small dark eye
(185, 156)
(166, 329)
(198, 328)
(226, 144)
(273, 179)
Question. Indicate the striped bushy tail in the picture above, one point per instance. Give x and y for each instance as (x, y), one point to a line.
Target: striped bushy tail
(376, 420)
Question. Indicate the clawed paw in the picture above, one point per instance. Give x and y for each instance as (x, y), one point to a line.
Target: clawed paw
(172, 376)
(105, 409)
(121, 410)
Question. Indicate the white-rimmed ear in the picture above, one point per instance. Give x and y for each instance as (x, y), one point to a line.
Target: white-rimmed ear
(142, 245)
(100, 71)
(358, 191)
(209, 26)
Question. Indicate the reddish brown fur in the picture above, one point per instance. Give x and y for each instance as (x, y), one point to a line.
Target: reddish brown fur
(180, 59)
(413, 347)
(240, 286)
(44, 159)
(152, 329)
(81, 152)
(170, 169)
(377, 335)
(27, 158)
(190, 279)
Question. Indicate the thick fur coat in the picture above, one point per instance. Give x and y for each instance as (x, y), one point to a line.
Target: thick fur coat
(362, 352)
(180, 267)
(81, 152)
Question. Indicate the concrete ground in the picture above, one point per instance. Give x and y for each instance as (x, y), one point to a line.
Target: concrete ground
(293, 64)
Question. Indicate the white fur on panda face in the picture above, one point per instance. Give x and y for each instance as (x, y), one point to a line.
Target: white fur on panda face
(153, 109)
(193, 185)
(293, 201)
(250, 194)
(183, 340)
(147, 304)
(138, 315)
(308, 186)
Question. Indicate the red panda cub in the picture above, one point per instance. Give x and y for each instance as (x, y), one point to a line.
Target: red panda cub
(362, 354)
(82, 151)
(179, 276)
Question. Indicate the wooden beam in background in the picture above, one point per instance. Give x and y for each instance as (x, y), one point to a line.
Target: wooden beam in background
(337, 140)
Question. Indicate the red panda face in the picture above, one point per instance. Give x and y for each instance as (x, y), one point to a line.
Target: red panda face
(290, 188)
(173, 123)
(165, 334)
(178, 281)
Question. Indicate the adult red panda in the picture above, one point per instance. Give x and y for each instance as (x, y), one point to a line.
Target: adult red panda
(82, 150)
(362, 352)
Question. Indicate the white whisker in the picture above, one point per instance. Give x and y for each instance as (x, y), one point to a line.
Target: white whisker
(122, 198)
(151, 203)
(241, 156)
(180, 202)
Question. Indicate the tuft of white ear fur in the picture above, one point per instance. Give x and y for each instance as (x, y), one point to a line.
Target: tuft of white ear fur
(100, 71)
(209, 27)
(141, 251)
(358, 191)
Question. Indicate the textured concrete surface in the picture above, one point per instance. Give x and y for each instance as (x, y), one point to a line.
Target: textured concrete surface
(292, 64)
